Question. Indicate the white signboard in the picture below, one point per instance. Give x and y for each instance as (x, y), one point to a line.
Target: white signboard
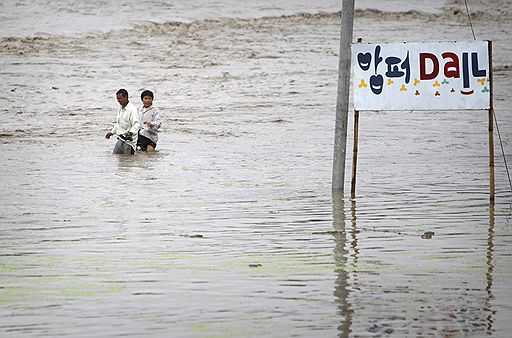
(421, 76)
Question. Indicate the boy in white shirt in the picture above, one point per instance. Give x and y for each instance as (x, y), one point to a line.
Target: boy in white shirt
(150, 123)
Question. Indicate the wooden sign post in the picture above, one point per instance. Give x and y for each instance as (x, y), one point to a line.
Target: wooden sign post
(491, 129)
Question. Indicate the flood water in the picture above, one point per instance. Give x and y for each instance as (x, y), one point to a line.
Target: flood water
(230, 229)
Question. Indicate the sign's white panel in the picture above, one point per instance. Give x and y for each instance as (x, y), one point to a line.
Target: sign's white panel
(421, 76)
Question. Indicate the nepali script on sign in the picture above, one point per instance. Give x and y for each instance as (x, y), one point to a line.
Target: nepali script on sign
(421, 76)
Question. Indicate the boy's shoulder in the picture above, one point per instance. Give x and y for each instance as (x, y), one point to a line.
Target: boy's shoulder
(153, 109)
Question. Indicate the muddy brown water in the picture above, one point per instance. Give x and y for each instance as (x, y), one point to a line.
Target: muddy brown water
(230, 228)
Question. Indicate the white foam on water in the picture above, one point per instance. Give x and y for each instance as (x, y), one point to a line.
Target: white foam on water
(28, 18)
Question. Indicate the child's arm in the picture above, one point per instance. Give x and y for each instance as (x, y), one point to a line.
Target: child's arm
(156, 123)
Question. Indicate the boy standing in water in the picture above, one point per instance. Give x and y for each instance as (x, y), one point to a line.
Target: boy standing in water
(126, 127)
(150, 123)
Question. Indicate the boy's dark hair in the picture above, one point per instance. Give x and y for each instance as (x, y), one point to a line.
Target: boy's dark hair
(147, 93)
(123, 92)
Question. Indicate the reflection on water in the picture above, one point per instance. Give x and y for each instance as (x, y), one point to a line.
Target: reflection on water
(365, 294)
(490, 269)
(341, 260)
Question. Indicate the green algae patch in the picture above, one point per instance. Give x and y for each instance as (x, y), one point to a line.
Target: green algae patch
(11, 295)
(7, 268)
(41, 289)
(16, 264)
(178, 257)
(90, 289)
(236, 328)
(249, 263)
(276, 265)
(200, 327)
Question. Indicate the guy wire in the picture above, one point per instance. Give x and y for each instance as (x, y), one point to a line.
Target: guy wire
(494, 113)
(469, 17)
(502, 151)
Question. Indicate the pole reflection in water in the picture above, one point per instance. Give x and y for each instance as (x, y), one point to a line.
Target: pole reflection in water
(490, 270)
(354, 232)
(341, 259)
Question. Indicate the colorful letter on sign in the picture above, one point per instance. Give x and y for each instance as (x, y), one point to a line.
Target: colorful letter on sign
(421, 76)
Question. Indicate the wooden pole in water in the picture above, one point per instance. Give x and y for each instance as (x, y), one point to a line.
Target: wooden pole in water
(343, 93)
(354, 154)
(491, 157)
(491, 129)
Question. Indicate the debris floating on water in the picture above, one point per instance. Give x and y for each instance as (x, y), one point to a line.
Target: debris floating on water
(327, 233)
(427, 235)
(193, 236)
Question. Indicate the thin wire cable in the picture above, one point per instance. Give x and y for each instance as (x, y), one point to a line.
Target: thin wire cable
(494, 114)
(502, 151)
(469, 17)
